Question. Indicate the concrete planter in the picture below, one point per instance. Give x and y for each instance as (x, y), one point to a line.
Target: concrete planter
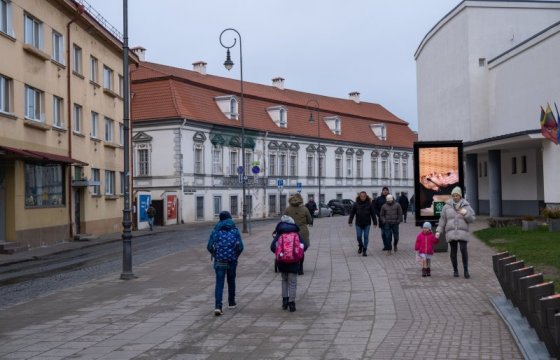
(553, 225)
(528, 225)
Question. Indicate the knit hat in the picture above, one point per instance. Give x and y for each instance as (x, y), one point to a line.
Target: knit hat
(427, 225)
(389, 198)
(287, 219)
(457, 190)
(225, 215)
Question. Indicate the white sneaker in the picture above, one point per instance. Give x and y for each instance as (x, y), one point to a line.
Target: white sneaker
(232, 306)
(218, 312)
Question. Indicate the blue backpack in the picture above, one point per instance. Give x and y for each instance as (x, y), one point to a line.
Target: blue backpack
(226, 245)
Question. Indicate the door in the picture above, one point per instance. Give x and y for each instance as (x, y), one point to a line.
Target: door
(2, 205)
(77, 211)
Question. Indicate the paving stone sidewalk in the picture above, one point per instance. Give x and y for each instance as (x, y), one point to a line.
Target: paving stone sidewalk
(348, 307)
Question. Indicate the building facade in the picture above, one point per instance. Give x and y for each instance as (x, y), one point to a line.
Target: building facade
(61, 132)
(483, 73)
(187, 137)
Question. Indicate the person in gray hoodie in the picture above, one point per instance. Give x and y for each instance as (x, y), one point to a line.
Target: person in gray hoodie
(391, 216)
(454, 220)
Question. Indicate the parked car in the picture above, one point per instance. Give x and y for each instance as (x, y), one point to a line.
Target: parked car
(341, 206)
(323, 211)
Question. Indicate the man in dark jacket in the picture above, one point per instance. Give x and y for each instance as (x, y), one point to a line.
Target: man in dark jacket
(311, 206)
(364, 212)
(379, 201)
(391, 217)
(403, 202)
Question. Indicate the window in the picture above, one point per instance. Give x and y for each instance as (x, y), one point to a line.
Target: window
(293, 164)
(337, 126)
(94, 124)
(198, 159)
(233, 161)
(123, 182)
(384, 169)
(121, 134)
(109, 182)
(121, 86)
(514, 165)
(310, 165)
(234, 207)
(143, 162)
(77, 119)
(6, 17)
(217, 160)
(58, 110)
(57, 47)
(233, 114)
(485, 169)
(374, 171)
(359, 167)
(272, 165)
(33, 103)
(33, 32)
(44, 185)
(95, 177)
(283, 120)
(396, 168)
(524, 164)
(271, 205)
(217, 205)
(404, 169)
(93, 72)
(248, 161)
(322, 165)
(5, 94)
(77, 57)
(107, 78)
(338, 166)
(108, 129)
(200, 208)
(349, 167)
(479, 169)
(283, 164)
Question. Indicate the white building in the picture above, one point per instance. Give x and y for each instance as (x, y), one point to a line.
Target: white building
(483, 72)
(187, 144)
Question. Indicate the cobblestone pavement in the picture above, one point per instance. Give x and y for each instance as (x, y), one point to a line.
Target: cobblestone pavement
(348, 307)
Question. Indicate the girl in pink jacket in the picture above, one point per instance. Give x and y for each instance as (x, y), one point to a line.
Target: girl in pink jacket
(425, 247)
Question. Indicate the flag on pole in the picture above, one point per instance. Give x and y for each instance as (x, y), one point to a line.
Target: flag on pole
(549, 126)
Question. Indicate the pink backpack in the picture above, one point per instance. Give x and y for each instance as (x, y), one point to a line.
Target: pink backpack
(289, 248)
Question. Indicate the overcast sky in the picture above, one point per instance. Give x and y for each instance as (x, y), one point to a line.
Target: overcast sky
(326, 47)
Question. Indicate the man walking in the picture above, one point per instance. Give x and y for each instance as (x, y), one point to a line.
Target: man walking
(378, 203)
(391, 217)
(151, 212)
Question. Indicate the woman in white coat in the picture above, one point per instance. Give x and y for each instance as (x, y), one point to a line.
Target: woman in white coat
(455, 218)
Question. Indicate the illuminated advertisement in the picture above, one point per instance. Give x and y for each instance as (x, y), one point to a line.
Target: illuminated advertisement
(171, 207)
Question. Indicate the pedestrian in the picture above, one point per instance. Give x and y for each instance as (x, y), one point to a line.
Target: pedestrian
(225, 245)
(378, 203)
(425, 247)
(403, 202)
(454, 220)
(311, 206)
(286, 237)
(151, 212)
(391, 217)
(364, 212)
(302, 218)
(412, 205)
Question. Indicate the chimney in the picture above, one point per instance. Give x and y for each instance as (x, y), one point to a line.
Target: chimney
(278, 82)
(199, 67)
(354, 95)
(140, 52)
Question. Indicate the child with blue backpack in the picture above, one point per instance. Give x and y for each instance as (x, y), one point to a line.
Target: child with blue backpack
(225, 245)
(288, 250)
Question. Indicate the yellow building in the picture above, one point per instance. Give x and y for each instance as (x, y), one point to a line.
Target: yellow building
(61, 122)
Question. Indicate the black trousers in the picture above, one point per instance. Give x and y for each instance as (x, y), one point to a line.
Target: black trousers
(464, 254)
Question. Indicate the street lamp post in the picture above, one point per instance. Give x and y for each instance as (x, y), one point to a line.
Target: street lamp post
(228, 64)
(315, 107)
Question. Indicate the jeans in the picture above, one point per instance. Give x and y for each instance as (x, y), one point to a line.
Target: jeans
(390, 231)
(222, 272)
(151, 223)
(464, 254)
(363, 232)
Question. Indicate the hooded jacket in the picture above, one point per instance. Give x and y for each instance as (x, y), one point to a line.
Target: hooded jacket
(364, 212)
(301, 216)
(454, 222)
(226, 225)
(282, 228)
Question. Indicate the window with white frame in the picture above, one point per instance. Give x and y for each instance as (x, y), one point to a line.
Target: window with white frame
(57, 47)
(93, 69)
(217, 160)
(5, 94)
(94, 125)
(384, 168)
(322, 165)
(293, 164)
(404, 169)
(272, 164)
(310, 165)
(233, 162)
(107, 77)
(374, 164)
(396, 169)
(77, 59)
(96, 177)
(198, 159)
(77, 119)
(143, 162)
(283, 164)
(109, 182)
(348, 166)
(33, 31)
(337, 126)
(359, 167)
(217, 205)
(33, 103)
(109, 124)
(338, 166)
(121, 134)
(282, 118)
(58, 111)
(248, 161)
(6, 17)
(233, 109)
(44, 185)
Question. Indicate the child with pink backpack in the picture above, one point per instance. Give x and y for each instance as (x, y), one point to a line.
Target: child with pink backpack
(425, 248)
(288, 250)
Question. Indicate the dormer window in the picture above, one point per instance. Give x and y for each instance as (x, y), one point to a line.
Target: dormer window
(228, 105)
(279, 115)
(380, 130)
(334, 123)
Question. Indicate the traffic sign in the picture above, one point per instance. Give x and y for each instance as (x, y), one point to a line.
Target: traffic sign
(298, 187)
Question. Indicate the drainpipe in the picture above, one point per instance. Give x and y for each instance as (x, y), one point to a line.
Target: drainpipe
(79, 12)
(265, 183)
(180, 207)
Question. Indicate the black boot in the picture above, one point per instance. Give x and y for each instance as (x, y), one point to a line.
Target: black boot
(467, 275)
(292, 306)
(424, 272)
(455, 272)
(428, 272)
(285, 303)
(364, 252)
(360, 248)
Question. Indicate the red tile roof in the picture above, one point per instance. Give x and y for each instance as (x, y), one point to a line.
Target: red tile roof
(165, 92)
